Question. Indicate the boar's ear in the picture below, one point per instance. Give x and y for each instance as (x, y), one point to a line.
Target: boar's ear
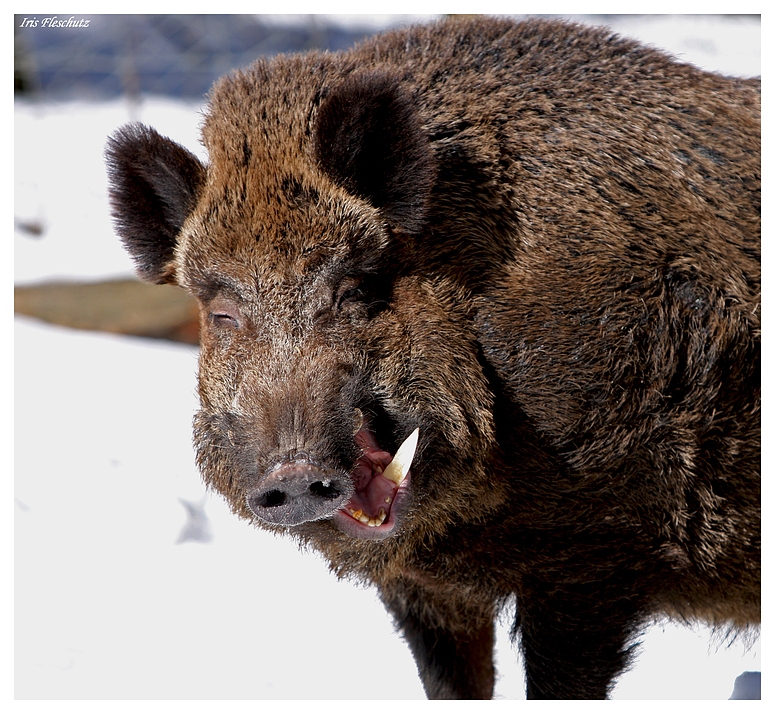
(154, 184)
(369, 139)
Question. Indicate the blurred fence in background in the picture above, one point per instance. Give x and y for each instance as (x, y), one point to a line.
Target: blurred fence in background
(173, 55)
(182, 55)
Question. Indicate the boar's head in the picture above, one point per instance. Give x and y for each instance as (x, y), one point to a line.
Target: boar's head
(326, 339)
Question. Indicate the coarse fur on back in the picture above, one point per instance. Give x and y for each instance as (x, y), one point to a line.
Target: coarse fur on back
(539, 244)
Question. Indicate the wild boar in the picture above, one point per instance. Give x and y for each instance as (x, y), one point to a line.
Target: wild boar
(534, 248)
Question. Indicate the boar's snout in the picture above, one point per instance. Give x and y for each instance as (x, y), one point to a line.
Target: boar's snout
(298, 492)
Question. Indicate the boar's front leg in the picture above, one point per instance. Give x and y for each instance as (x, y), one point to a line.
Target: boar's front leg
(576, 641)
(451, 638)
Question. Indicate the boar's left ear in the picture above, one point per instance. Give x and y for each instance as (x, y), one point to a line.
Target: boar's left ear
(154, 184)
(369, 139)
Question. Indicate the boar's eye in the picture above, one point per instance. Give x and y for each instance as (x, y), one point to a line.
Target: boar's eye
(361, 296)
(351, 290)
(350, 295)
(224, 313)
(224, 319)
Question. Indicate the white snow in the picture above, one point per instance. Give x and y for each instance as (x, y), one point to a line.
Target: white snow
(108, 605)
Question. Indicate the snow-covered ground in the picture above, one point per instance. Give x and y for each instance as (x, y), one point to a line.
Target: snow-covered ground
(113, 597)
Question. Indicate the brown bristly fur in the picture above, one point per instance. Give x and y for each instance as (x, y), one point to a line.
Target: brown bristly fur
(537, 242)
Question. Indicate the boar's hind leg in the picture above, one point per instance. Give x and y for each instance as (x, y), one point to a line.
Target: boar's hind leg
(452, 644)
(575, 645)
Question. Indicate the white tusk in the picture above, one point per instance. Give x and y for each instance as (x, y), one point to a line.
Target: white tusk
(397, 469)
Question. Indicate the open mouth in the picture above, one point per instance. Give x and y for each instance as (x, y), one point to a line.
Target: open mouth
(381, 488)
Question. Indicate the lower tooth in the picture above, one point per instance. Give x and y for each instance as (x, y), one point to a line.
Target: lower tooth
(378, 520)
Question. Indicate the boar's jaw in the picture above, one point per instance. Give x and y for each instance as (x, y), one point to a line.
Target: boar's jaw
(381, 489)
(367, 504)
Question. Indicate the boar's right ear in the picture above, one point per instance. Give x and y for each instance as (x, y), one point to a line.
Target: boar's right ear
(154, 184)
(369, 139)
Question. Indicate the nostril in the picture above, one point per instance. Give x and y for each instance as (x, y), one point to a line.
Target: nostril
(271, 499)
(325, 490)
(298, 492)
